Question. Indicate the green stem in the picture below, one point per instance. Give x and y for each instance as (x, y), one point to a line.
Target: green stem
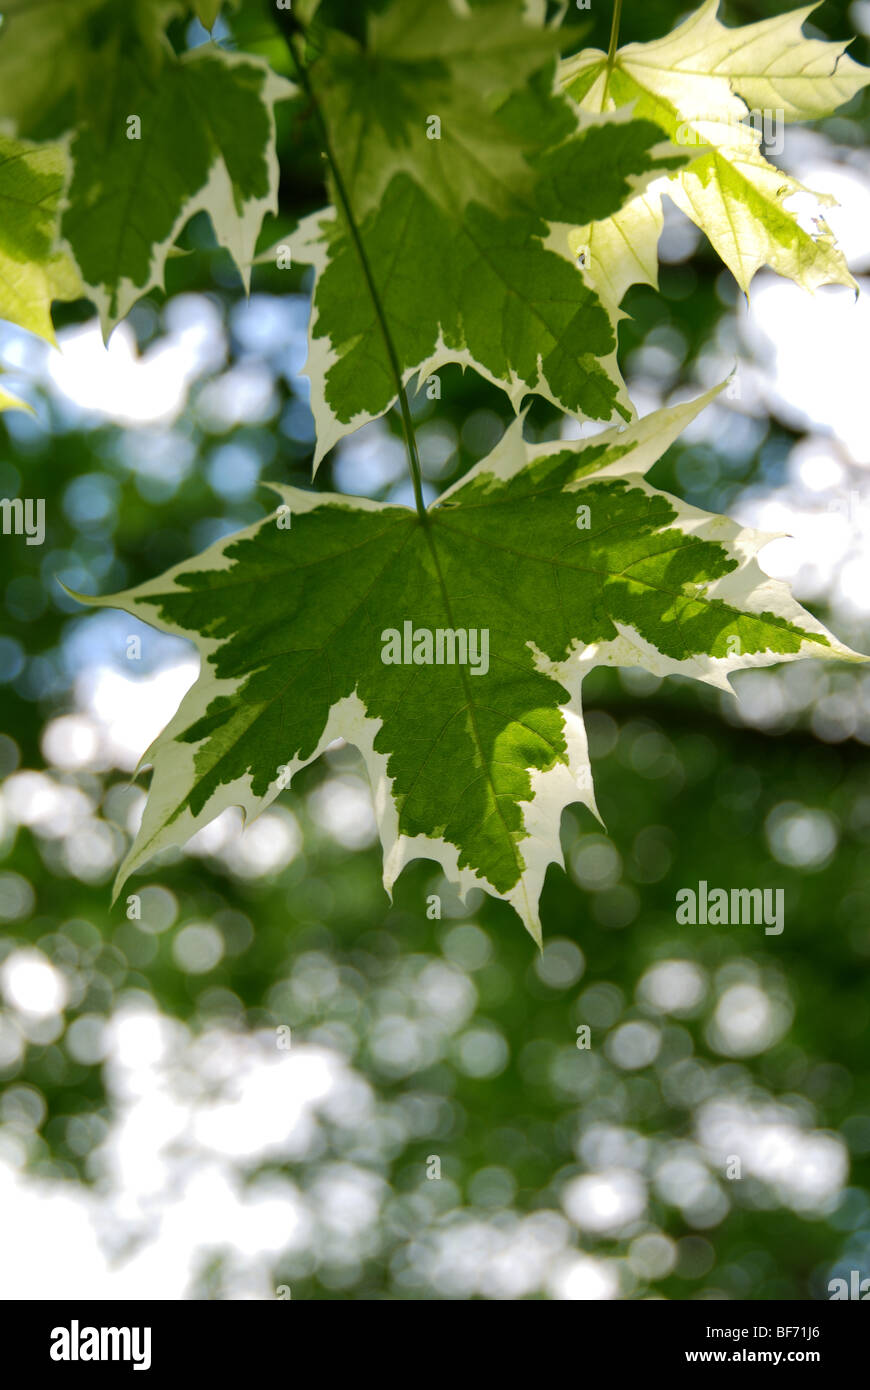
(614, 35)
(290, 26)
(611, 51)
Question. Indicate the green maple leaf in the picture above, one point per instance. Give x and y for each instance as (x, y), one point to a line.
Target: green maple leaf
(205, 142)
(484, 294)
(425, 63)
(699, 84)
(47, 52)
(32, 271)
(466, 235)
(549, 559)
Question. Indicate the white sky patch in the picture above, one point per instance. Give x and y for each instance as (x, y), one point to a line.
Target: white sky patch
(50, 808)
(673, 987)
(32, 985)
(748, 1020)
(71, 742)
(113, 380)
(191, 1114)
(845, 175)
(118, 384)
(266, 845)
(813, 352)
(806, 1168)
(585, 1278)
(243, 395)
(128, 712)
(604, 1203)
(343, 807)
(823, 514)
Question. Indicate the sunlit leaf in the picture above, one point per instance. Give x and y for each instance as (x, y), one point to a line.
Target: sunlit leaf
(338, 617)
(32, 272)
(720, 90)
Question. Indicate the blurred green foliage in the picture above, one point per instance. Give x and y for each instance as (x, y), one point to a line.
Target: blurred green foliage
(493, 1083)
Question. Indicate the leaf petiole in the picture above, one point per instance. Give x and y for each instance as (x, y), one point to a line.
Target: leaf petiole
(614, 35)
(290, 26)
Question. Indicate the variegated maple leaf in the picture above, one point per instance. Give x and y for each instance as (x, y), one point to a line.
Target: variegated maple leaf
(150, 138)
(450, 648)
(464, 169)
(720, 90)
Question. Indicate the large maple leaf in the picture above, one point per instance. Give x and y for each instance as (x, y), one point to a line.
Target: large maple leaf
(451, 649)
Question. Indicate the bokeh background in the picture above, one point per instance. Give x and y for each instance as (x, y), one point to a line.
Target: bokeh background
(276, 1083)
